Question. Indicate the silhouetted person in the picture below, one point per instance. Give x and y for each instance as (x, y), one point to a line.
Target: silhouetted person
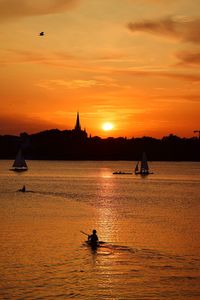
(23, 190)
(93, 238)
(41, 33)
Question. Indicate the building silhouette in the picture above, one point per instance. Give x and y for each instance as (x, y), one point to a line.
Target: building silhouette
(78, 125)
(77, 132)
(73, 144)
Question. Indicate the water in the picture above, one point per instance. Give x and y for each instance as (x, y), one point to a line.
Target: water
(151, 226)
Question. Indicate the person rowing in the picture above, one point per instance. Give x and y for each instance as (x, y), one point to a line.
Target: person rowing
(23, 189)
(93, 238)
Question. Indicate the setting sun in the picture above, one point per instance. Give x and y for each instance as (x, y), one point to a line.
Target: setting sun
(107, 126)
(123, 80)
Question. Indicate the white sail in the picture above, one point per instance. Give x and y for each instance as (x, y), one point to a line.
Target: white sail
(19, 162)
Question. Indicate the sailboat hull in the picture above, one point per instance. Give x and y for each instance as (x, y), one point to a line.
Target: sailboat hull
(121, 173)
(143, 174)
(19, 170)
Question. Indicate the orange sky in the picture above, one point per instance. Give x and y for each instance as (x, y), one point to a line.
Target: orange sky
(134, 63)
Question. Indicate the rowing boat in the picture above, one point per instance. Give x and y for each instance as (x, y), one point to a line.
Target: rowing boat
(93, 245)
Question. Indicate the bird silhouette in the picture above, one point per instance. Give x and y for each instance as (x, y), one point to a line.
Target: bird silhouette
(41, 33)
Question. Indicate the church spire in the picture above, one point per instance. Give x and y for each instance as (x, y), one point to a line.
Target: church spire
(78, 125)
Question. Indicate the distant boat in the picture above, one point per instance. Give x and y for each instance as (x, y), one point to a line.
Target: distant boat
(19, 164)
(121, 173)
(142, 166)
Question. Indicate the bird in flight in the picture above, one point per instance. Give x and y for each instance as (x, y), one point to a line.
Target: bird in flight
(41, 33)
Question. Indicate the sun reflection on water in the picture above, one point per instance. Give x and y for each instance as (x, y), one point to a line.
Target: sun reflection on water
(107, 217)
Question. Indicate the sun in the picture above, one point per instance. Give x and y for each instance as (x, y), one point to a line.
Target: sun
(107, 126)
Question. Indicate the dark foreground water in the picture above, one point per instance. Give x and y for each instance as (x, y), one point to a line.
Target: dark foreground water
(150, 226)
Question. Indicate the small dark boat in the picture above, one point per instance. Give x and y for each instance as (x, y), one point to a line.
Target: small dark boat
(23, 189)
(93, 245)
(121, 173)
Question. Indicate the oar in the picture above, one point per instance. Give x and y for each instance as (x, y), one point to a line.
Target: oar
(84, 232)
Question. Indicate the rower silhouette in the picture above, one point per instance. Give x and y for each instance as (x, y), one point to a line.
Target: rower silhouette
(93, 238)
(23, 189)
(93, 241)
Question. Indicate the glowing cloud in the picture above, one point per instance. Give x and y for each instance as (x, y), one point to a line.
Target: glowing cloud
(182, 29)
(16, 9)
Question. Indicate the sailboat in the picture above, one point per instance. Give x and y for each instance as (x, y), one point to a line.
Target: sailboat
(142, 167)
(19, 164)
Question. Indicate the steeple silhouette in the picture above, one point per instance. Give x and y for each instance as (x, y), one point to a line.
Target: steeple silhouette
(78, 125)
(77, 133)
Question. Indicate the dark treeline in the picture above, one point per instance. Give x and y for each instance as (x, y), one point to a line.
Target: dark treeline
(71, 145)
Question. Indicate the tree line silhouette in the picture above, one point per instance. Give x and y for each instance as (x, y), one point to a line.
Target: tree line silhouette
(71, 145)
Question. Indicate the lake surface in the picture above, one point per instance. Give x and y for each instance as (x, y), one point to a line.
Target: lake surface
(151, 227)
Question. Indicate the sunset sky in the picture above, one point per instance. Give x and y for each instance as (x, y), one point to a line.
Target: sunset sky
(131, 63)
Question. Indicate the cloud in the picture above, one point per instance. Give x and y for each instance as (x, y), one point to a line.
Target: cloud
(189, 58)
(174, 75)
(10, 9)
(155, 2)
(16, 123)
(185, 30)
(72, 84)
(16, 56)
(77, 83)
(52, 59)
